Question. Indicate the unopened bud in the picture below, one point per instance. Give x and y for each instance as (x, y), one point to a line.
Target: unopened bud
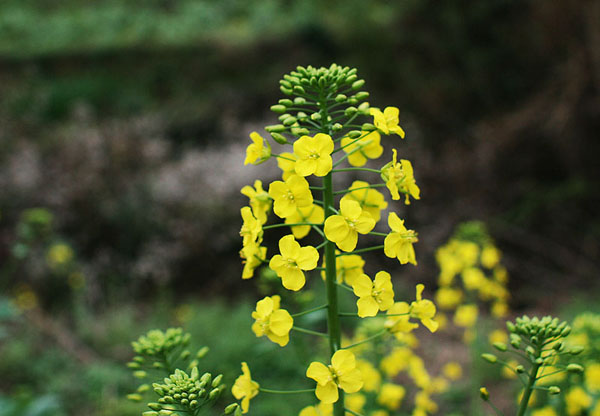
(231, 408)
(278, 108)
(484, 394)
(340, 98)
(154, 406)
(554, 390)
(134, 397)
(575, 368)
(490, 358)
(217, 380)
(356, 85)
(576, 350)
(500, 346)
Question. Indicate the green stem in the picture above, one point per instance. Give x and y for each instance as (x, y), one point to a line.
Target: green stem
(318, 308)
(346, 191)
(355, 169)
(267, 227)
(263, 390)
(371, 338)
(353, 412)
(528, 390)
(362, 250)
(310, 332)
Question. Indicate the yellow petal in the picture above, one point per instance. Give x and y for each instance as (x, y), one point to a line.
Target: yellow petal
(308, 257)
(343, 361)
(348, 243)
(318, 372)
(264, 307)
(362, 286)
(351, 382)
(289, 247)
(281, 322)
(367, 306)
(327, 393)
(293, 279)
(350, 208)
(336, 228)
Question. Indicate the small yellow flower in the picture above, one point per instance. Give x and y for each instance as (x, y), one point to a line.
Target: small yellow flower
(271, 321)
(59, 254)
(254, 255)
(258, 151)
(355, 402)
(387, 121)
(343, 229)
(499, 309)
(25, 299)
(342, 373)
(313, 214)
(371, 377)
(313, 155)
(448, 298)
(423, 401)
(259, 200)
(498, 335)
(452, 370)
(508, 373)
(424, 310)
(245, 388)
(490, 256)
(373, 295)
(251, 230)
(399, 177)
(592, 377)
(287, 163)
(544, 411)
(293, 261)
(396, 361)
(577, 401)
(348, 268)
(321, 409)
(391, 396)
(399, 243)
(367, 146)
(290, 195)
(398, 319)
(370, 200)
(466, 315)
(473, 278)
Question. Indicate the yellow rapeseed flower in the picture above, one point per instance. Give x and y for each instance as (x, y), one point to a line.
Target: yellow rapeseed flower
(287, 163)
(343, 229)
(290, 195)
(424, 310)
(448, 298)
(258, 151)
(399, 177)
(313, 155)
(313, 214)
(348, 268)
(387, 121)
(374, 296)
(251, 230)
(370, 200)
(577, 401)
(592, 377)
(399, 242)
(367, 146)
(498, 335)
(355, 402)
(272, 321)
(245, 388)
(293, 261)
(254, 255)
(396, 361)
(59, 254)
(259, 200)
(490, 256)
(466, 315)
(452, 370)
(398, 319)
(342, 373)
(371, 377)
(321, 409)
(391, 395)
(544, 411)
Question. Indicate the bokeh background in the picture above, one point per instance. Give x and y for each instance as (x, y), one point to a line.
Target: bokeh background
(123, 127)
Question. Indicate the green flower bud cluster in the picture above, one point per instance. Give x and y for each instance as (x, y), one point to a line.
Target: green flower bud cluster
(542, 344)
(157, 343)
(306, 86)
(185, 393)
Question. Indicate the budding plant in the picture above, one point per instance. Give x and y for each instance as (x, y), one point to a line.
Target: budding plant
(539, 344)
(327, 128)
(160, 356)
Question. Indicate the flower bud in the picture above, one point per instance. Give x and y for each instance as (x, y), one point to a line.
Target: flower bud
(354, 134)
(565, 331)
(500, 346)
(368, 127)
(298, 89)
(361, 95)
(289, 121)
(185, 355)
(315, 116)
(337, 127)
(299, 100)
(275, 128)
(286, 91)
(356, 85)
(143, 388)
(576, 350)
(134, 397)
(286, 102)
(554, 390)
(350, 79)
(350, 111)
(140, 374)
(490, 358)
(520, 369)
(575, 368)
(484, 394)
(165, 412)
(214, 393)
(279, 138)
(278, 108)
(202, 352)
(510, 326)
(217, 380)
(133, 365)
(340, 98)
(154, 406)
(150, 413)
(231, 408)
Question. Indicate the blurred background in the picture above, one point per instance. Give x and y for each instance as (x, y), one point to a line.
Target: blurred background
(123, 128)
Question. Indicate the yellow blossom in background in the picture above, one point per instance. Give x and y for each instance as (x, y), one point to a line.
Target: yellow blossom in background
(544, 411)
(498, 335)
(355, 402)
(596, 411)
(499, 309)
(424, 403)
(396, 361)
(399, 177)
(342, 373)
(500, 274)
(290, 195)
(343, 229)
(292, 262)
(448, 298)
(592, 377)
(473, 278)
(490, 256)
(424, 310)
(287, 163)
(370, 200)
(373, 295)
(452, 370)
(466, 315)
(368, 146)
(258, 151)
(418, 372)
(313, 155)
(371, 377)
(399, 242)
(387, 121)
(508, 372)
(577, 401)
(391, 396)
(245, 388)
(379, 413)
(25, 299)
(259, 200)
(251, 230)
(321, 409)
(59, 254)
(398, 319)
(348, 268)
(313, 214)
(254, 256)
(441, 319)
(271, 321)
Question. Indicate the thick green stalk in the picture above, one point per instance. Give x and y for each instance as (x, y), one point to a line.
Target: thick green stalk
(528, 390)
